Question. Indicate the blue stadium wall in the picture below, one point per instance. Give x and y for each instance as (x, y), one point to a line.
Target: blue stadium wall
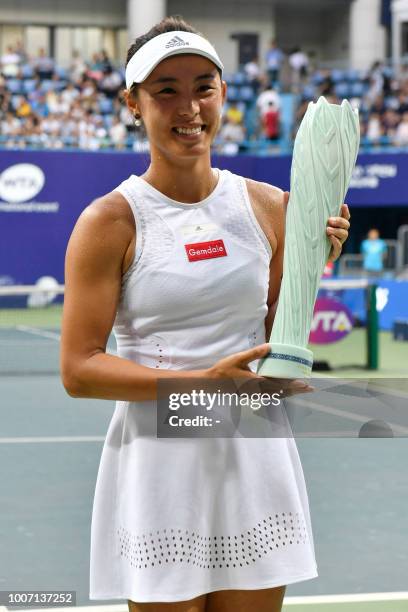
(35, 231)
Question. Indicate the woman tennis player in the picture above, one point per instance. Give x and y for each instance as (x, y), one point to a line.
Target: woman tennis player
(184, 262)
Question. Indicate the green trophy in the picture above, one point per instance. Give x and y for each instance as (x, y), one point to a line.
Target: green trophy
(324, 155)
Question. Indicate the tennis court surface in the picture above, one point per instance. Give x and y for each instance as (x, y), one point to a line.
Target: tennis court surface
(50, 445)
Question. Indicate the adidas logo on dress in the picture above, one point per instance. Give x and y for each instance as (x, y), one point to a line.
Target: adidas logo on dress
(176, 42)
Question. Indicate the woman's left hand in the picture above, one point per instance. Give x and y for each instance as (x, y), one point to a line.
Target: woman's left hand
(337, 232)
(337, 229)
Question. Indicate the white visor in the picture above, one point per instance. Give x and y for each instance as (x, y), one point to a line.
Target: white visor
(145, 60)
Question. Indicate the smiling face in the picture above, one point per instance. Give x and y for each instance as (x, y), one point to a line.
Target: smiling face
(180, 103)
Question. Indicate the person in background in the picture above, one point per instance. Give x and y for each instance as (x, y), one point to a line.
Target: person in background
(24, 108)
(299, 63)
(118, 133)
(111, 82)
(264, 99)
(373, 249)
(390, 121)
(20, 50)
(232, 132)
(273, 59)
(105, 61)
(77, 68)
(10, 61)
(44, 65)
(270, 122)
(267, 100)
(374, 128)
(254, 74)
(400, 136)
(234, 113)
(326, 86)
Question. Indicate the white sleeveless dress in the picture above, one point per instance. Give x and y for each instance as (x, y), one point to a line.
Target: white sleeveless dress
(175, 518)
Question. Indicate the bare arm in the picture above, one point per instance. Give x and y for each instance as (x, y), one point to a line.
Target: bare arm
(93, 270)
(269, 204)
(96, 258)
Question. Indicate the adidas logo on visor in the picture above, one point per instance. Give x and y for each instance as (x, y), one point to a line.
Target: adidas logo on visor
(176, 42)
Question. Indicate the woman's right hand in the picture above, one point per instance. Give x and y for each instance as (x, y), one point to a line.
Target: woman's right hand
(236, 366)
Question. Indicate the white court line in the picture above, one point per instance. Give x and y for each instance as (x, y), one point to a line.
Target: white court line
(45, 439)
(352, 598)
(38, 332)
(346, 414)
(44, 333)
(288, 601)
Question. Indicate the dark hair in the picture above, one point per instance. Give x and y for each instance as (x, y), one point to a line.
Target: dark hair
(168, 24)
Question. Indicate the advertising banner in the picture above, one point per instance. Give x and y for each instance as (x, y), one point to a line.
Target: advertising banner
(42, 194)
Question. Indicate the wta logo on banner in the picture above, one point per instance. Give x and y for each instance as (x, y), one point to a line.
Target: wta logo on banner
(19, 184)
(332, 321)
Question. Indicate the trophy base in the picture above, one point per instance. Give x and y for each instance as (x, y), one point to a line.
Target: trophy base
(286, 361)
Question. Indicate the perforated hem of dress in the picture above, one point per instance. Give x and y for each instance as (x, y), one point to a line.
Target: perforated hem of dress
(176, 545)
(254, 221)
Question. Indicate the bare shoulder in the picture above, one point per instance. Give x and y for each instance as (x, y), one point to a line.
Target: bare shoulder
(264, 193)
(269, 207)
(108, 213)
(105, 229)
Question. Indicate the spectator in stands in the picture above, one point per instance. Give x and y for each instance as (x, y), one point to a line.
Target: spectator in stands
(96, 67)
(264, 98)
(375, 79)
(299, 63)
(51, 126)
(234, 113)
(55, 103)
(400, 137)
(31, 130)
(254, 75)
(5, 102)
(375, 128)
(24, 108)
(270, 122)
(40, 106)
(300, 113)
(401, 102)
(87, 137)
(374, 250)
(118, 133)
(273, 60)
(390, 122)
(10, 125)
(70, 93)
(105, 61)
(21, 52)
(268, 98)
(77, 68)
(44, 65)
(127, 119)
(111, 82)
(233, 131)
(69, 130)
(10, 62)
(378, 105)
(326, 85)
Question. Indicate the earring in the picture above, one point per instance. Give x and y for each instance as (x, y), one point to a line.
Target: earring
(138, 120)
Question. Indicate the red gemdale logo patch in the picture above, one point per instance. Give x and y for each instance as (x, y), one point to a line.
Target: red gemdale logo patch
(205, 250)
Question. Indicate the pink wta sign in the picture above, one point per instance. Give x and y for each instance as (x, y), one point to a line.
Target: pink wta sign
(332, 321)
